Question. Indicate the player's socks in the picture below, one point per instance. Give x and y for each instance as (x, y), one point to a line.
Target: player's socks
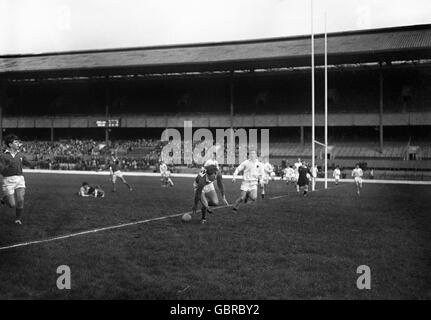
(18, 213)
(204, 212)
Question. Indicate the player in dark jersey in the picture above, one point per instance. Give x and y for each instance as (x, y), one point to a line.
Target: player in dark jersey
(204, 179)
(114, 169)
(11, 162)
(303, 180)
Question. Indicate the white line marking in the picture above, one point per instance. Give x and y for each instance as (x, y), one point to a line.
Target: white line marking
(123, 225)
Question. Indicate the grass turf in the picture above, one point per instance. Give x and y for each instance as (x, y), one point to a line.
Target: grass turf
(286, 248)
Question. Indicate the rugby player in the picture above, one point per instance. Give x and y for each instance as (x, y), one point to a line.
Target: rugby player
(357, 174)
(268, 173)
(207, 197)
(303, 173)
(337, 174)
(87, 191)
(11, 162)
(253, 172)
(115, 172)
(219, 177)
(290, 175)
(165, 174)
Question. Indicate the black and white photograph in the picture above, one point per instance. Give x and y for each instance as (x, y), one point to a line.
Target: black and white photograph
(215, 155)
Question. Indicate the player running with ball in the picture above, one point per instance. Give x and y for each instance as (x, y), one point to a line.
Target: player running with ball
(253, 172)
(204, 191)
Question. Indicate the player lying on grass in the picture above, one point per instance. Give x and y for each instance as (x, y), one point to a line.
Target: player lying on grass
(252, 173)
(165, 174)
(88, 191)
(11, 162)
(204, 191)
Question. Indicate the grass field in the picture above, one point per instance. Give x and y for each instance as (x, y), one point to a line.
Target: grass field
(284, 248)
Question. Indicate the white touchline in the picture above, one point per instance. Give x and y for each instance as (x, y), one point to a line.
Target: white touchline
(123, 225)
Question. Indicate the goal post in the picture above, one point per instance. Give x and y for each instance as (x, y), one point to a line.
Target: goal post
(313, 115)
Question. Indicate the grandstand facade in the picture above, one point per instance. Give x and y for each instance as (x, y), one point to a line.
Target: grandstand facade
(379, 93)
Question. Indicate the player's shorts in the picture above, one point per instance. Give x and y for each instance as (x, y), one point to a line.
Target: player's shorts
(248, 186)
(208, 188)
(358, 180)
(11, 183)
(117, 174)
(337, 177)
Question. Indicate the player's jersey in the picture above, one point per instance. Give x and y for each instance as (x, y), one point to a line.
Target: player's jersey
(337, 173)
(12, 165)
(163, 168)
(114, 166)
(297, 165)
(289, 172)
(357, 173)
(201, 180)
(83, 191)
(252, 170)
(267, 169)
(303, 179)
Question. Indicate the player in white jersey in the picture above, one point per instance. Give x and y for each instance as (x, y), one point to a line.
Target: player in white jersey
(165, 175)
(290, 175)
(357, 174)
(267, 174)
(337, 174)
(252, 172)
(314, 172)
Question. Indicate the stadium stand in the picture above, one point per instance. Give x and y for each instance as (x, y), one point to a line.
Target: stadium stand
(379, 98)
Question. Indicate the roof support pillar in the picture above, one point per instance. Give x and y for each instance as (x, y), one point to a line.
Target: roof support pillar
(3, 102)
(107, 103)
(381, 107)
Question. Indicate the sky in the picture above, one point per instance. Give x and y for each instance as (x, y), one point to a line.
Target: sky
(38, 26)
